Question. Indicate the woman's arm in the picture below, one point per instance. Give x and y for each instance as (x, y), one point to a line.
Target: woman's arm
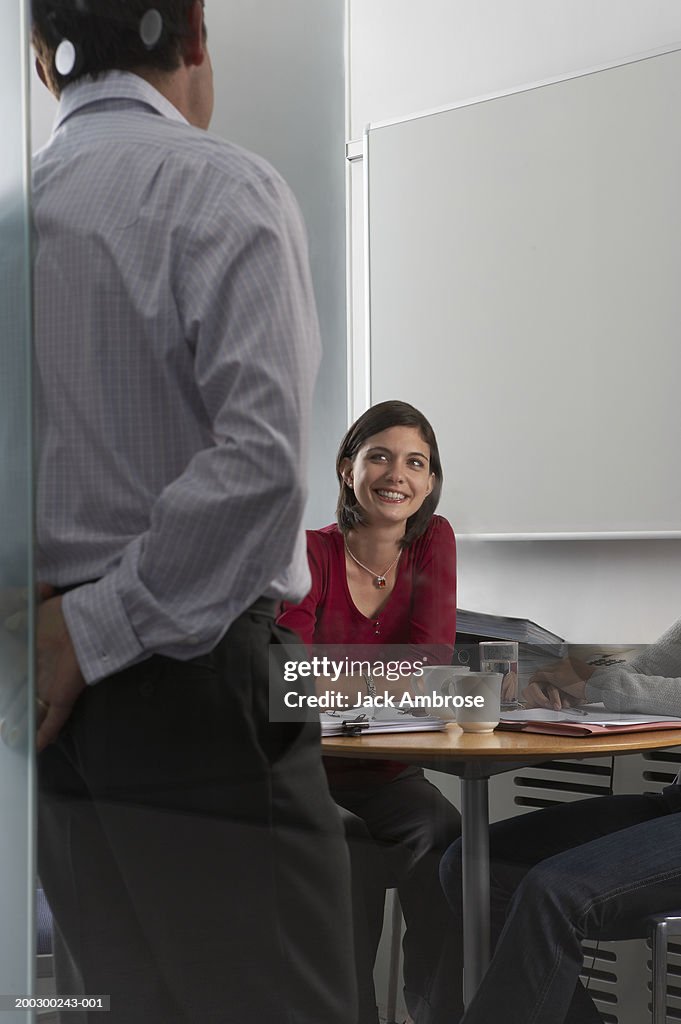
(432, 628)
(301, 618)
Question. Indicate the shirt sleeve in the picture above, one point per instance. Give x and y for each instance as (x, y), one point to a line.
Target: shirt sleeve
(228, 525)
(432, 631)
(649, 684)
(302, 618)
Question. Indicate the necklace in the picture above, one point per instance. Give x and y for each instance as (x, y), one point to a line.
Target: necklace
(380, 581)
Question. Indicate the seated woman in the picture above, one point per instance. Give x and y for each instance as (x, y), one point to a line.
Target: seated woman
(594, 869)
(386, 574)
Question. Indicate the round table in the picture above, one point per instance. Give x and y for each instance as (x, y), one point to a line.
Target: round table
(475, 757)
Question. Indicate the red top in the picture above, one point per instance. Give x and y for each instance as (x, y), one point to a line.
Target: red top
(420, 611)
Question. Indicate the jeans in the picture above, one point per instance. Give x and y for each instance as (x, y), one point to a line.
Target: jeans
(590, 869)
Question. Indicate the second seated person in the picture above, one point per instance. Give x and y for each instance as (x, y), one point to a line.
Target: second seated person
(385, 573)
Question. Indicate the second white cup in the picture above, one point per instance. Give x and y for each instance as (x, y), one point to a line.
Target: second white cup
(480, 693)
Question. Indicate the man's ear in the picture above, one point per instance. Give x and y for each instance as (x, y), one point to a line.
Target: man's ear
(194, 45)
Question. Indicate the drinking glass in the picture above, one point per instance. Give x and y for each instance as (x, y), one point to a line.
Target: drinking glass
(502, 656)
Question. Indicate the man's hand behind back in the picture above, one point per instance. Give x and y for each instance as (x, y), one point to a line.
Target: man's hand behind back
(59, 682)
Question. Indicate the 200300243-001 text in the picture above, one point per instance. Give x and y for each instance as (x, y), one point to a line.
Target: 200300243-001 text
(91, 1003)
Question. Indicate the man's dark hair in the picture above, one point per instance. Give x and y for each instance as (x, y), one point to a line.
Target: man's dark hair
(378, 418)
(106, 35)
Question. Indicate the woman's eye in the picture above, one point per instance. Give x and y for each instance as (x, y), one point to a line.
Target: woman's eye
(417, 463)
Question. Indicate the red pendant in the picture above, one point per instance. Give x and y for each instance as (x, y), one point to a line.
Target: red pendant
(381, 582)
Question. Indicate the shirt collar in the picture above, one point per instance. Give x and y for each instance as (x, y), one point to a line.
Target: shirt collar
(114, 85)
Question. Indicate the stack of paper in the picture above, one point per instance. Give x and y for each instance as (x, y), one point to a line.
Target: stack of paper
(582, 723)
(474, 626)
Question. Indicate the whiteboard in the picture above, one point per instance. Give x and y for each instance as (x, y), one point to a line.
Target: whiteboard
(524, 291)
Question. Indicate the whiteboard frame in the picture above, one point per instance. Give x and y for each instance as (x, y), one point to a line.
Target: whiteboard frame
(596, 535)
(515, 90)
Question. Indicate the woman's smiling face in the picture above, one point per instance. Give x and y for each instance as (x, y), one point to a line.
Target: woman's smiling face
(390, 475)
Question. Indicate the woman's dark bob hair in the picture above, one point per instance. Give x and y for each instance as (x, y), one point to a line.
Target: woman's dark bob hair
(376, 419)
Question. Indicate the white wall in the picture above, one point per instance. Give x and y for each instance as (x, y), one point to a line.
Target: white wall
(405, 57)
(43, 111)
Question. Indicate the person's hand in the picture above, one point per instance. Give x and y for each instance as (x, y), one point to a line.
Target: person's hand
(560, 685)
(13, 601)
(60, 681)
(14, 605)
(14, 653)
(509, 687)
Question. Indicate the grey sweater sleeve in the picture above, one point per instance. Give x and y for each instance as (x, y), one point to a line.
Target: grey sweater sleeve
(649, 684)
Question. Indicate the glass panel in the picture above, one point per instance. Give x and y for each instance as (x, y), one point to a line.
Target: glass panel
(16, 717)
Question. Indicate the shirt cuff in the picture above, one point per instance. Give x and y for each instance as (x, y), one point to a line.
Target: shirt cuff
(604, 686)
(103, 639)
(592, 694)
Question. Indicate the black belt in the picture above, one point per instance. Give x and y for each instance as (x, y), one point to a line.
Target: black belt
(264, 606)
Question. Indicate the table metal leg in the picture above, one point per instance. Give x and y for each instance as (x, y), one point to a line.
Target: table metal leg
(476, 903)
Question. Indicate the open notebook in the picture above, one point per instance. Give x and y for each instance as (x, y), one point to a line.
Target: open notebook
(352, 724)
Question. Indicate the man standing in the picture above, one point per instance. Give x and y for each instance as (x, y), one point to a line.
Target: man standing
(189, 848)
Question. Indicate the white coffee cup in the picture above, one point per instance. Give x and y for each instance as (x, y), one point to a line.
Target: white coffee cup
(478, 700)
(437, 684)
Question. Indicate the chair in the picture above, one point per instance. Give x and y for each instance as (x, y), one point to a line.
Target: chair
(662, 928)
(44, 950)
(395, 955)
(43, 916)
